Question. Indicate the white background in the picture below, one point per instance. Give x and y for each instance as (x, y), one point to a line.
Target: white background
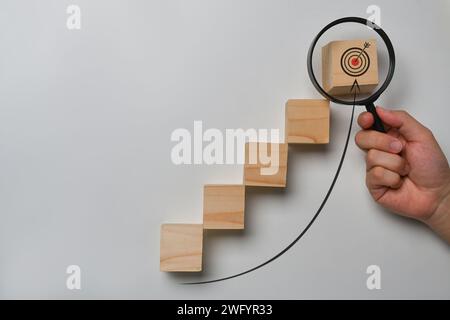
(85, 170)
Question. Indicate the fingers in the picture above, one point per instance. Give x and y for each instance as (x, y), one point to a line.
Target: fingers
(370, 139)
(392, 162)
(405, 124)
(379, 177)
(385, 167)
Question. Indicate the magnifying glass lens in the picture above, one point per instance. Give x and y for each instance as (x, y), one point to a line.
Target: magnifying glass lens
(350, 62)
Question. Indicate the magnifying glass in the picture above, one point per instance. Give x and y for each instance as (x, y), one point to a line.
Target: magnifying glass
(352, 63)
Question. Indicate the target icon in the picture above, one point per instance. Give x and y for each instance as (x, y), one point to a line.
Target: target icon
(355, 61)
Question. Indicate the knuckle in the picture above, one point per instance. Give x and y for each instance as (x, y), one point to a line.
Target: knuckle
(403, 113)
(359, 137)
(428, 132)
(371, 156)
(378, 173)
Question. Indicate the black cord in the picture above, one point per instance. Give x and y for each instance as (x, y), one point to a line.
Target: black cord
(330, 189)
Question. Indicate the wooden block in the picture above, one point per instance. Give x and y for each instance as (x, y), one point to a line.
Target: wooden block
(181, 247)
(345, 61)
(223, 206)
(307, 121)
(258, 171)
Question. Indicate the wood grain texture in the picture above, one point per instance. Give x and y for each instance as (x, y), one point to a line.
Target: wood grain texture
(255, 162)
(335, 81)
(307, 121)
(181, 247)
(223, 206)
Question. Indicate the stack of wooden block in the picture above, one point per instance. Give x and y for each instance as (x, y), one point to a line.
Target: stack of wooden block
(307, 121)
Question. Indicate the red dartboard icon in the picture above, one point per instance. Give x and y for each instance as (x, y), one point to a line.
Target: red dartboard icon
(355, 62)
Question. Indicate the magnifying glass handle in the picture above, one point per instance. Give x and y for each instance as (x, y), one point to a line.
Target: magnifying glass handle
(378, 124)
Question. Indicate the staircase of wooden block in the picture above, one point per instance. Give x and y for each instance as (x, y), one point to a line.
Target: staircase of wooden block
(307, 122)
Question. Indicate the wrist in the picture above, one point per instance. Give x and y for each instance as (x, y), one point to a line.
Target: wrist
(439, 221)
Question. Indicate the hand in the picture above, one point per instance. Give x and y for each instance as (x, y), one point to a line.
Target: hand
(407, 172)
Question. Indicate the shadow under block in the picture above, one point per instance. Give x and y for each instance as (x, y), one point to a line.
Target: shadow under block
(181, 247)
(307, 121)
(223, 206)
(261, 168)
(343, 62)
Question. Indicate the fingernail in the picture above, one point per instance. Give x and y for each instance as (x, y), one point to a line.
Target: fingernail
(396, 146)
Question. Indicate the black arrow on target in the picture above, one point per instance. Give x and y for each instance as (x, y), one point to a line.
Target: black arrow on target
(366, 45)
(355, 87)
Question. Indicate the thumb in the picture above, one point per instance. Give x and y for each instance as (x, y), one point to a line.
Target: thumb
(407, 126)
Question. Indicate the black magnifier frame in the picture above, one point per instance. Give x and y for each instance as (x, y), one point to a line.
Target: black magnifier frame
(369, 101)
